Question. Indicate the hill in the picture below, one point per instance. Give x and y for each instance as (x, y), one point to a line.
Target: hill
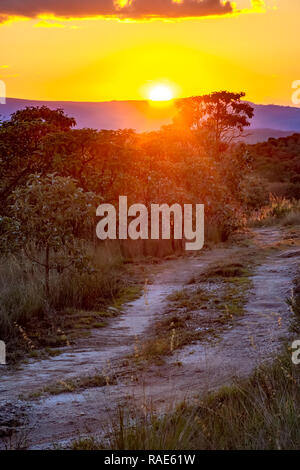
(268, 121)
(278, 162)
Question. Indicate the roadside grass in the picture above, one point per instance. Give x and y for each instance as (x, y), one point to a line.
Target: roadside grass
(292, 219)
(31, 324)
(294, 303)
(71, 385)
(230, 270)
(185, 298)
(280, 210)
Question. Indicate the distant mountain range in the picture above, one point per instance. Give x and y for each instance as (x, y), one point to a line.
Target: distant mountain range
(268, 121)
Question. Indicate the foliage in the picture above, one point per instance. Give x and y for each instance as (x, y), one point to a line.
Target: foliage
(219, 117)
(277, 161)
(53, 213)
(171, 165)
(22, 148)
(278, 210)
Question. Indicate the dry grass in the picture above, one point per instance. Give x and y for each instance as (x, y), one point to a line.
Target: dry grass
(291, 219)
(72, 385)
(78, 301)
(279, 210)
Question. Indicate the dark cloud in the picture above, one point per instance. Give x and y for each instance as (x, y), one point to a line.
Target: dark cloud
(135, 9)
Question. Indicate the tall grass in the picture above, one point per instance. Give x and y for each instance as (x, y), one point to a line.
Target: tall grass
(22, 290)
(279, 210)
(21, 294)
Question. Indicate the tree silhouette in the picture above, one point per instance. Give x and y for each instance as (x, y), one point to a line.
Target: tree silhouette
(22, 148)
(219, 117)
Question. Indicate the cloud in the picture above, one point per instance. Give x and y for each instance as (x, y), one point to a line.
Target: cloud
(123, 9)
(47, 24)
(172, 9)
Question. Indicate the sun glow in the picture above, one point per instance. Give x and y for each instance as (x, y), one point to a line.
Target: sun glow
(161, 93)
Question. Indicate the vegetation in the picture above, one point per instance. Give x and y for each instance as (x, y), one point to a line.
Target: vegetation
(77, 302)
(219, 118)
(279, 210)
(277, 163)
(52, 213)
(72, 385)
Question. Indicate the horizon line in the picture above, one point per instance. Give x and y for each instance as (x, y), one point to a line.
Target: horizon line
(137, 100)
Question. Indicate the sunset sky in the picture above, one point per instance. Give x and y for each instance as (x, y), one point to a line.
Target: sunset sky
(101, 50)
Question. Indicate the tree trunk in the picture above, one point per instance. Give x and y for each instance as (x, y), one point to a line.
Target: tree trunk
(47, 271)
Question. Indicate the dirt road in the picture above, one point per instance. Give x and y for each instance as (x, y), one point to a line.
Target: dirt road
(251, 339)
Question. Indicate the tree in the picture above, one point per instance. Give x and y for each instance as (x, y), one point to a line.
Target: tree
(53, 214)
(22, 150)
(56, 118)
(72, 153)
(219, 117)
(98, 160)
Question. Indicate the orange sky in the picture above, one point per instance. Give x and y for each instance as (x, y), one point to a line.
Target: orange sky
(256, 50)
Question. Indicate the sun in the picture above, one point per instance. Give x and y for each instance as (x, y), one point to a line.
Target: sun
(161, 93)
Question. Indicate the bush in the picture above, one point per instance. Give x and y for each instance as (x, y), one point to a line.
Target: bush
(279, 210)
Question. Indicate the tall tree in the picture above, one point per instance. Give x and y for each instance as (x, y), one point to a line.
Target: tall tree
(219, 118)
(21, 145)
